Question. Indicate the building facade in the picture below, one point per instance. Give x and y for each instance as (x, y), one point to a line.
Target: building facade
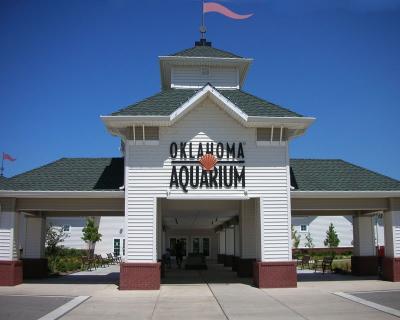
(202, 157)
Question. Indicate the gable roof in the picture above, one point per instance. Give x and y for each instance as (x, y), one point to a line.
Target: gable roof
(205, 51)
(71, 174)
(337, 175)
(167, 101)
(107, 174)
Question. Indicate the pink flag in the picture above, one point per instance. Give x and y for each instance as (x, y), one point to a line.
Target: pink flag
(216, 7)
(6, 156)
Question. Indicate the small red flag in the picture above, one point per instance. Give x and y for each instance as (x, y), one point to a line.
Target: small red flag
(6, 156)
(216, 7)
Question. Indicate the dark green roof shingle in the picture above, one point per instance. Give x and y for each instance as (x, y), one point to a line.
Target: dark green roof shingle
(98, 174)
(71, 174)
(167, 101)
(205, 51)
(337, 175)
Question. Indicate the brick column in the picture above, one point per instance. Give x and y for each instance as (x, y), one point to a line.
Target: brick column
(364, 261)
(10, 265)
(391, 261)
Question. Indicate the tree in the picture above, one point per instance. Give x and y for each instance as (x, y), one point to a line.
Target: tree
(91, 234)
(309, 241)
(332, 239)
(295, 238)
(54, 236)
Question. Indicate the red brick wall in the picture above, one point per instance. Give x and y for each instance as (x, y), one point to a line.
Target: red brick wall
(275, 274)
(391, 269)
(140, 276)
(10, 273)
(364, 265)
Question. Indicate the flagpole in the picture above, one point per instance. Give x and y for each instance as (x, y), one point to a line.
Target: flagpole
(2, 165)
(203, 27)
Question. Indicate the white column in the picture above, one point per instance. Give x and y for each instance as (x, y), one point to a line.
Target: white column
(248, 230)
(230, 241)
(222, 242)
(392, 229)
(363, 236)
(35, 237)
(237, 240)
(9, 219)
(159, 231)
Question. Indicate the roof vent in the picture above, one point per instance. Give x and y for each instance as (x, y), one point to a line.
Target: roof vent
(202, 43)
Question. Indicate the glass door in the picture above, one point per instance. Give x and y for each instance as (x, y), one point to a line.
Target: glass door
(201, 245)
(172, 245)
(119, 246)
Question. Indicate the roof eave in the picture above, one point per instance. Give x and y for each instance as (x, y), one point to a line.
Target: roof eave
(345, 194)
(61, 194)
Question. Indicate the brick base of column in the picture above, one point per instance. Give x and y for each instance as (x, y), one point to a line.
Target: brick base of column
(245, 267)
(235, 262)
(140, 276)
(35, 268)
(220, 258)
(275, 274)
(391, 269)
(10, 273)
(228, 260)
(364, 265)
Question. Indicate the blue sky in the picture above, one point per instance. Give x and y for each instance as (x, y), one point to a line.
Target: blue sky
(64, 63)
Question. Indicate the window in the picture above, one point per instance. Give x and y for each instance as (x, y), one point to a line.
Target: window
(265, 135)
(66, 228)
(303, 228)
(151, 134)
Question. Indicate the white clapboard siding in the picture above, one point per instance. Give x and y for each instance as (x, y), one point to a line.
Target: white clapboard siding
(74, 236)
(110, 227)
(8, 246)
(396, 235)
(192, 76)
(318, 225)
(148, 170)
(5, 246)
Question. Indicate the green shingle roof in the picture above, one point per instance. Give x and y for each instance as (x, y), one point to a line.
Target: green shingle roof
(71, 174)
(167, 101)
(337, 175)
(99, 174)
(205, 51)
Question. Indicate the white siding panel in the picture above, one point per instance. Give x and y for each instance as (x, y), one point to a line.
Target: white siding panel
(191, 76)
(148, 170)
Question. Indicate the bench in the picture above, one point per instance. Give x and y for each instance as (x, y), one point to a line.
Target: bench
(304, 261)
(325, 264)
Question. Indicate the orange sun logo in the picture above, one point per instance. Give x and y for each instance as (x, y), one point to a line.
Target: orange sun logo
(208, 161)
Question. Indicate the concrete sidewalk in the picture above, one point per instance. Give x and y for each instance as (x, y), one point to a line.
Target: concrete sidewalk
(213, 294)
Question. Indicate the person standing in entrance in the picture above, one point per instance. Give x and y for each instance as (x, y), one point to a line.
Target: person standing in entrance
(179, 253)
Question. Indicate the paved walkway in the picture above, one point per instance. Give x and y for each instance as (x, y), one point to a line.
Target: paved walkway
(213, 294)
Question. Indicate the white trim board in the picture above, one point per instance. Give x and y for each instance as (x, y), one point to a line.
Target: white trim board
(370, 304)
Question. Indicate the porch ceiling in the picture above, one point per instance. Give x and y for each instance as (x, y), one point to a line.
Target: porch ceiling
(197, 214)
